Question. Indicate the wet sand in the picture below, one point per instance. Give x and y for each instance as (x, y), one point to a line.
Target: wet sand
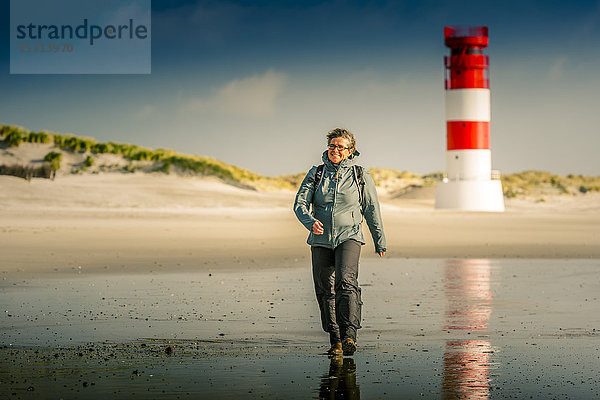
(456, 328)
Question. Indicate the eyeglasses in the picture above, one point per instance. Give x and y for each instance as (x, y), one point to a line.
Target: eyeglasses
(340, 148)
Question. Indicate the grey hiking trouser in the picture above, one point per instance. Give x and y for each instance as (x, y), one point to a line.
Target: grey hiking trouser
(335, 273)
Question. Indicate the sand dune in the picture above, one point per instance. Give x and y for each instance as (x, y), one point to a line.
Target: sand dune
(142, 192)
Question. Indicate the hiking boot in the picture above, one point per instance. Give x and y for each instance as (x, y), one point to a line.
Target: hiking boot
(336, 363)
(335, 349)
(348, 347)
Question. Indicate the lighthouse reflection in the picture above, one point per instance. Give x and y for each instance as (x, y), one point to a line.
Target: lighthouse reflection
(469, 306)
(340, 382)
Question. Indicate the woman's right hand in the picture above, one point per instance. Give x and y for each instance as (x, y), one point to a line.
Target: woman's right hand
(317, 228)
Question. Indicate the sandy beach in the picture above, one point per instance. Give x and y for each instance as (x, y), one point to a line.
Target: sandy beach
(103, 274)
(141, 223)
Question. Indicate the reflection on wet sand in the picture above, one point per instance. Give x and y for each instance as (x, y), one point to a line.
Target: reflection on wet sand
(466, 369)
(467, 362)
(340, 381)
(468, 294)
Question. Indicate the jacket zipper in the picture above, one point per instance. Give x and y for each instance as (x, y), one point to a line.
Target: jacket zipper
(333, 209)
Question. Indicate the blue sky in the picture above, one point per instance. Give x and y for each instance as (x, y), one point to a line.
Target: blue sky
(258, 84)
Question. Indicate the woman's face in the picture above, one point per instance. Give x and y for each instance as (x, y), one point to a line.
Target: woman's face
(338, 149)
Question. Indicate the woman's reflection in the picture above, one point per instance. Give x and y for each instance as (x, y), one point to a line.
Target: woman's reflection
(466, 362)
(340, 382)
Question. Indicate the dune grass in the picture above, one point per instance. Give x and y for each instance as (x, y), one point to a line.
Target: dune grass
(163, 160)
(522, 184)
(54, 159)
(387, 174)
(88, 162)
(381, 176)
(13, 136)
(534, 183)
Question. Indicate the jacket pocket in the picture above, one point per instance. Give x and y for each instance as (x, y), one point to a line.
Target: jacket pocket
(344, 220)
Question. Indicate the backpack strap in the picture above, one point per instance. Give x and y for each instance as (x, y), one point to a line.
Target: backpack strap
(318, 178)
(359, 177)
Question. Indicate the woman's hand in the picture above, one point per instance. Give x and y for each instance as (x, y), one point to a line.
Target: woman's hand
(381, 253)
(317, 228)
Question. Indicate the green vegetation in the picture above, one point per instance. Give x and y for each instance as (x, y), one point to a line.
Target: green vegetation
(167, 160)
(527, 183)
(293, 180)
(208, 166)
(13, 139)
(381, 176)
(534, 183)
(432, 178)
(39, 137)
(13, 136)
(54, 159)
(161, 160)
(387, 174)
(88, 162)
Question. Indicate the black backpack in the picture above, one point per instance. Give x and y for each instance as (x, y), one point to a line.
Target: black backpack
(357, 175)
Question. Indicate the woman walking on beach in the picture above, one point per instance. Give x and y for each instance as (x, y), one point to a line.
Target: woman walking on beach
(341, 194)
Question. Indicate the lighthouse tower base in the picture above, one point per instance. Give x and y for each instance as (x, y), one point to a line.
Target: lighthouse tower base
(485, 195)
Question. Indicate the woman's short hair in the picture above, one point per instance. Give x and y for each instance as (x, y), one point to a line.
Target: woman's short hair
(343, 133)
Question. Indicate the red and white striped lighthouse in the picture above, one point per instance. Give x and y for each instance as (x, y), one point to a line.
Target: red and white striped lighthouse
(468, 184)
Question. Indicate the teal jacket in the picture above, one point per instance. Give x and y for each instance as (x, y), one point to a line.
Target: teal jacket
(336, 205)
